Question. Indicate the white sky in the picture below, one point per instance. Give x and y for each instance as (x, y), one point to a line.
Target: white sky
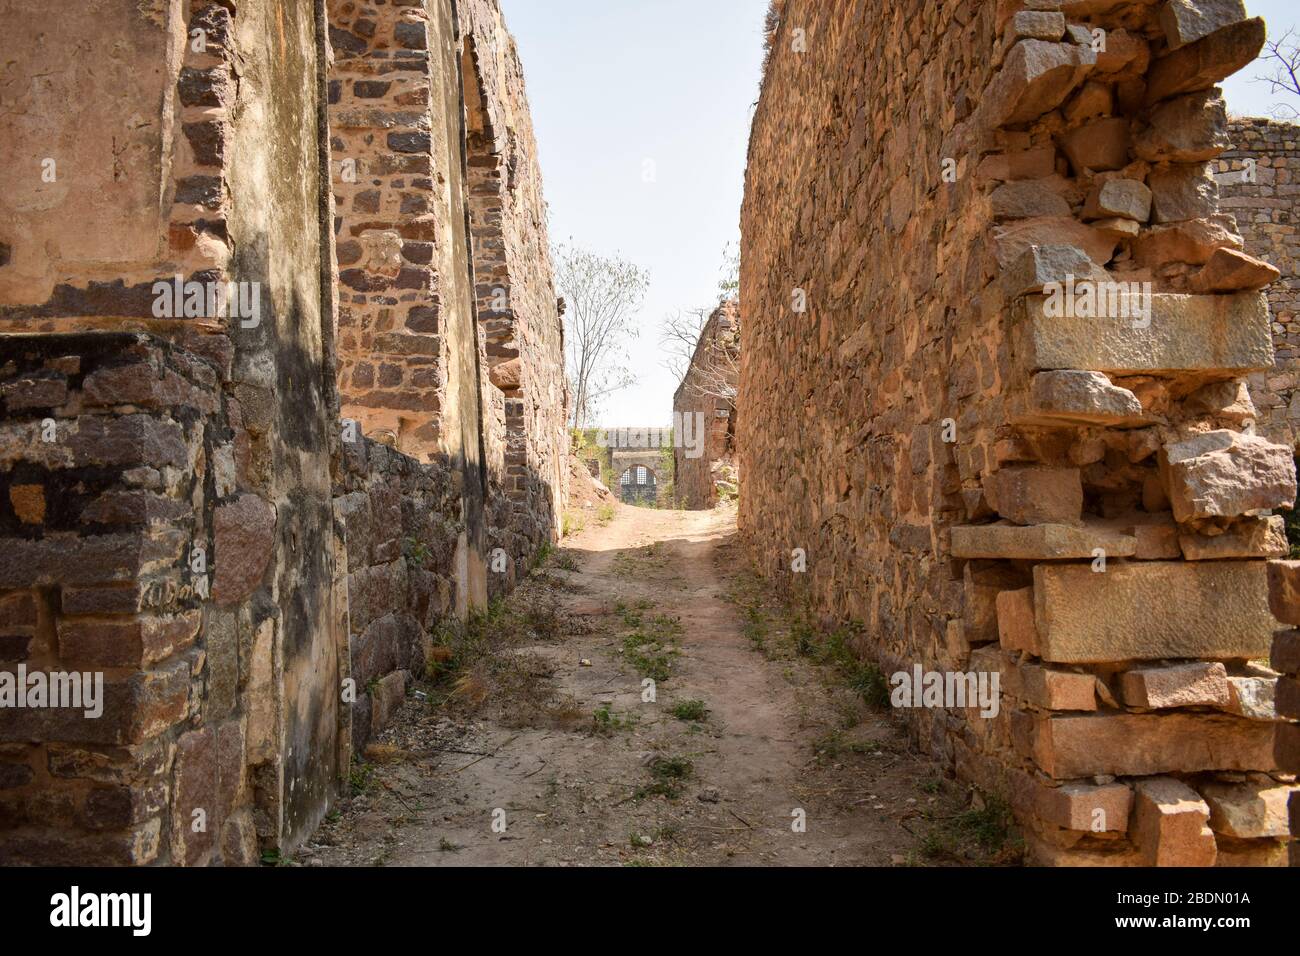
(613, 83)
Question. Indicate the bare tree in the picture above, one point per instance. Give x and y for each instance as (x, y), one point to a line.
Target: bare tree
(602, 296)
(709, 366)
(729, 280)
(1283, 57)
(717, 362)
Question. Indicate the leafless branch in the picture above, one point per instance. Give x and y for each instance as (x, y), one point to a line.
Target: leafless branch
(706, 360)
(602, 296)
(1283, 57)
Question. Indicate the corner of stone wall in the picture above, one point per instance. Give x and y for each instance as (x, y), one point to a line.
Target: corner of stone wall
(1121, 596)
(115, 447)
(993, 473)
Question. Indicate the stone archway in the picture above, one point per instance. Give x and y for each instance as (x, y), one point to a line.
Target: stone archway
(639, 474)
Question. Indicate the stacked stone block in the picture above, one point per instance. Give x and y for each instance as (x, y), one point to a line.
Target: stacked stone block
(104, 441)
(180, 508)
(399, 520)
(1259, 182)
(1073, 498)
(1284, 599)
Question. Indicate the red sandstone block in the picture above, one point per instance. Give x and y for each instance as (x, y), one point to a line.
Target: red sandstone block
(243, 539)
(101, 559)
(125, 643)
(1084, 807)
(1054, 689)
(109, 765)
(127, 441)
(1287, 749)
(137, 846)
(230, 767)
(1016, 628)
(239, 841)
(1034, 494)
(135, 709)
(1170, 824)
(1286, 652)
(195, 810)
(1284, 591)
(1070, 747)
(1198, 683)
(121, 807)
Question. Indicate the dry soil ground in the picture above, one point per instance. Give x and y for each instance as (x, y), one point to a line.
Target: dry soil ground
(749, 754)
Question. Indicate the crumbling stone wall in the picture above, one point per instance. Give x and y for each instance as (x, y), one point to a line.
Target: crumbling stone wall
(170, 526)
(184, 510)
(986, 484)
(1264, 194)
(394, 352)
(1284, 600)
(707, 395)
(403, 76)
(400, 520)
(523, 338)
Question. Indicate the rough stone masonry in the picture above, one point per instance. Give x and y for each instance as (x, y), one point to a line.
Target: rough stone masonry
(995, 335)
(1259, 183)
(249, 514)
(707, 394)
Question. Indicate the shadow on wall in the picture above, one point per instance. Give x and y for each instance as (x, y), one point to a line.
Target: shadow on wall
(400, 521)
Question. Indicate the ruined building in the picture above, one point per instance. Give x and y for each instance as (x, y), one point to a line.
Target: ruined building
(280, 390)
(636, 461)
(707, 394)
(706, 397)
(990, 468)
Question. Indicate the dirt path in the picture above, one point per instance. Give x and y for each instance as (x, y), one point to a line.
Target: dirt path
(780, 741)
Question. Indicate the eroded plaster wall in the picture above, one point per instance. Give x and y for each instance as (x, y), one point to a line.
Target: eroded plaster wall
(171, 526)
(187, 512)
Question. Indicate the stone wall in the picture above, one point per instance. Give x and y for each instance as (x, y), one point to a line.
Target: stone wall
(185, 511)
(409, 368)
(400, 82)
(1264, 196)
(389, 160)
(707, 395)
(1284, 600)
(523, 348)
(400, 520)
(982, 482)
(180, 474)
